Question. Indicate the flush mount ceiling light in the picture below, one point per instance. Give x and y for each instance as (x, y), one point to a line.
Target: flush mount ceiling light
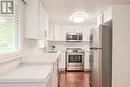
(79, 17)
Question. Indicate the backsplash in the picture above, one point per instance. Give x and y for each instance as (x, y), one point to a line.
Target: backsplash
(63, 45)
(31, 47)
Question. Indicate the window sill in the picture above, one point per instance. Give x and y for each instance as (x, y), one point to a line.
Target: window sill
(11, 56)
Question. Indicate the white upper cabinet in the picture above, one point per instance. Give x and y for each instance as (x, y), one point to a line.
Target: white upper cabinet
(107, 15)
(99, 19)
(69, 28)
(104, 16)
(57, 32)
(62, 63)
(63, 32)
(43, 21)
(36, 20)
(50, 32)
(85, 31)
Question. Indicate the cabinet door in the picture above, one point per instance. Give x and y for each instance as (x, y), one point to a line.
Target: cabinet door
(107, 15)
(31, 20)
(69, 28)
(84, 30)
(57, 32)
(85, 35)
(65, 29)
(62, 62)
(79, 29)
(43, 20)
(63, 33)
(50, 36)
(99, 19)
(86, 61)
(55, 73)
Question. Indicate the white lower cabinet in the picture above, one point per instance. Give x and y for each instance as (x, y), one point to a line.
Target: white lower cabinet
(30, 76)
(55, 76)
(86, 61)
(62, 61)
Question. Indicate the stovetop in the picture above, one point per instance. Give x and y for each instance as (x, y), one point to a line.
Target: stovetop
(75, 50)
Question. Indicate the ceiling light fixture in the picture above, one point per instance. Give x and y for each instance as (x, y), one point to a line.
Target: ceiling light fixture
(79, 17)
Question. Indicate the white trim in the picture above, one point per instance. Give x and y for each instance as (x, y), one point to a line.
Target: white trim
(44, 2)
(11, 56)
(16, 53)
(25, 1)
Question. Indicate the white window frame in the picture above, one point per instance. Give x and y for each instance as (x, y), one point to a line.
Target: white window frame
(13, 54)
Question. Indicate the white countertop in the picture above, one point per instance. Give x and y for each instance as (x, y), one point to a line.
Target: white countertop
(43, 58)
(28, 73)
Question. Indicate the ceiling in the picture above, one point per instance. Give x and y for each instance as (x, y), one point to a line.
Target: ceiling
(61, 10)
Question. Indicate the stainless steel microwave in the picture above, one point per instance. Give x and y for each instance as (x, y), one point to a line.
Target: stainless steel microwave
(74, 37)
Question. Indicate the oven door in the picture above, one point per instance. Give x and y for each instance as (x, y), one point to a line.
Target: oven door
(75, 59)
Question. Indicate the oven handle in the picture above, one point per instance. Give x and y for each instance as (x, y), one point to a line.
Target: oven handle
(75, 53)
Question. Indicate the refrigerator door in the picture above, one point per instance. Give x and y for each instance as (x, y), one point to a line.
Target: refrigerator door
(102, 65)
(106, 56)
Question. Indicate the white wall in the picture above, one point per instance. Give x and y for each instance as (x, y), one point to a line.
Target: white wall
(31, 47)
(121, 46)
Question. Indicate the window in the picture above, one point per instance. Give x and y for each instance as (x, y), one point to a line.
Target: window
(11, 27)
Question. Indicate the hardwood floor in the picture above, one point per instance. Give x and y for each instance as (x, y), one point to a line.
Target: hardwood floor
(74, 79)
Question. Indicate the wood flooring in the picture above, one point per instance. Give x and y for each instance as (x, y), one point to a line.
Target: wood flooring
(74, 79)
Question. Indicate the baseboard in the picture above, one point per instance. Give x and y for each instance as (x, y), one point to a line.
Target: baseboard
(87, 70)
(62, 69)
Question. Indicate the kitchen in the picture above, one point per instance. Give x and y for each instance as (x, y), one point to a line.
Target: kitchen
(63, 43)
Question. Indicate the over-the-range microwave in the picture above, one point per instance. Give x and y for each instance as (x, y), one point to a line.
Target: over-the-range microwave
(74, 37)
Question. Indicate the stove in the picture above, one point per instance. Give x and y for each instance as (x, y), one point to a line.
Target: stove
(74, 59)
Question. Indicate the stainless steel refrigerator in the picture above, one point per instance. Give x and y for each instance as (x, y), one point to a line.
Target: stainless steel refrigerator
(101, 47)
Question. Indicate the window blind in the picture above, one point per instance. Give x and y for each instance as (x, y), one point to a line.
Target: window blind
(11, 29)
